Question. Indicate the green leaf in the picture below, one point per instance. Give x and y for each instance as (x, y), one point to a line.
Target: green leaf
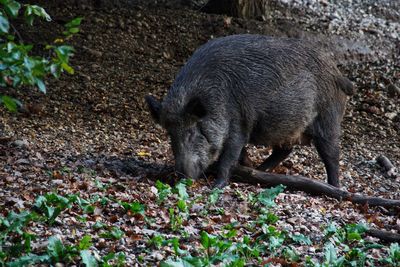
(181, 188)
(205, 240)
(291, 254)
(55, 248)
(41, 85)
(231, 233)
(182, 205)
(12, 7)
(214, 196)
(88, 259)
(163, 191)
(67, 68)
(63, 52)
(267, 196)
(4, 24)
(330, 254)
(35, 10)
(134, 207)
(73, 30)
(29, 19)
(74, 23)
(9, 102)
(301, 239)
(85, 243)
(29, 259)
(177, 263)
(114, 233)
(353, 236)
(395, 252)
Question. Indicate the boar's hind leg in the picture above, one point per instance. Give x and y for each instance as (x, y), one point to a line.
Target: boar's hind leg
(277, 156)
(328, 150)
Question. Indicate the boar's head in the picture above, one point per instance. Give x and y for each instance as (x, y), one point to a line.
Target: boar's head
(196, 134)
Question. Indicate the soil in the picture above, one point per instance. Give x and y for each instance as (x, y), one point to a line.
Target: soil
(98, 115)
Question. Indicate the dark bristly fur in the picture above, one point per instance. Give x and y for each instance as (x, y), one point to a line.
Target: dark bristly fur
(253, 89)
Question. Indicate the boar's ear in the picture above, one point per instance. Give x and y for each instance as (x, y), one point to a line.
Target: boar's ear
(154, 106)
(195, 108)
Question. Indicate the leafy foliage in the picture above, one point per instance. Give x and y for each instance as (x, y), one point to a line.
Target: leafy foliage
(18, 67)
(261, 242)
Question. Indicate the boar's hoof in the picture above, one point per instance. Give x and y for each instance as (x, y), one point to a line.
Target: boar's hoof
(220, 183)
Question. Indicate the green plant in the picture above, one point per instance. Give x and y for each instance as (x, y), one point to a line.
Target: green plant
(394, 255)
(134, 207)
(179, 211)
(13, 228)
(113, 233)
(113, 259)
(163, 191)
(51, 205)
(18, 67)
(58, 252)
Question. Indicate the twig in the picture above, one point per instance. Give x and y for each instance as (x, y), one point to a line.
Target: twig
(17, 33)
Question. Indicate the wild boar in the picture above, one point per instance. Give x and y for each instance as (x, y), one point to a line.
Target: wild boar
(256, 89)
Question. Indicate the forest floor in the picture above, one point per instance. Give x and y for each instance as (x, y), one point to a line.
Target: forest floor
(64, 141)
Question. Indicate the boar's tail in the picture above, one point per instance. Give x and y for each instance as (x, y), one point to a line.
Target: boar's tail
(345, 85)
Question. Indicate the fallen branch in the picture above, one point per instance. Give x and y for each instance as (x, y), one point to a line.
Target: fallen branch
(247, 175)
(383, 235)
(311, 186)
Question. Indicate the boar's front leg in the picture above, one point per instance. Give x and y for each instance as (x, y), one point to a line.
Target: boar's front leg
(229, 157)
(277, 156)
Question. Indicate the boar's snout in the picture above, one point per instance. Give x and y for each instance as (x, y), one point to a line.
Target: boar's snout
(188, 167)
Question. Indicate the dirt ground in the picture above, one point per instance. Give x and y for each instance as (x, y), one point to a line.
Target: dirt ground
(99, 114)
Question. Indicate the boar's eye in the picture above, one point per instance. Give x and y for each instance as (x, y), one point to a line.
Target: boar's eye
(195, 108)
